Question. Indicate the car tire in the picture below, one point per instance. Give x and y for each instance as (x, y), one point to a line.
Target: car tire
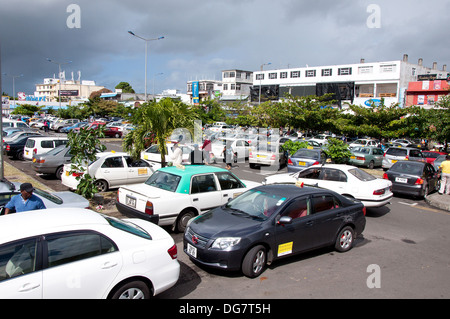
(345, 239)
(254, 262)
(19, 156)
(59, 172)
(371, 165)
(183, 218)
(132, 290)
(101, 185)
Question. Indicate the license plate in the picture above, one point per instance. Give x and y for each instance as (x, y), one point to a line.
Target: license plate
(191, 250)
(261, 156)
(67, 173)
(301, 163)
(130, 201)
(401, 180)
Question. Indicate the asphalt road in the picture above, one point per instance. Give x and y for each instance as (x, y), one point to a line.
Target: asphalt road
(403, 253)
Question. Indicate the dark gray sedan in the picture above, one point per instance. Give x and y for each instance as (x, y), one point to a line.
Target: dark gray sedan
(53, 161)
(270, 222)
(413, 178)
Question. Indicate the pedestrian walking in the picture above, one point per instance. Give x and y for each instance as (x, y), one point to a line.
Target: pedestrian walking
(206, 147)
(24, 201)
(177, 154)
(445, 176)
(228, 154)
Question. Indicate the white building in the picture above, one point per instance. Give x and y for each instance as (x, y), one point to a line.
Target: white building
(360, 84)
(70, 89)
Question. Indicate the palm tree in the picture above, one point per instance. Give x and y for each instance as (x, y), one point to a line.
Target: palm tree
(158, 118)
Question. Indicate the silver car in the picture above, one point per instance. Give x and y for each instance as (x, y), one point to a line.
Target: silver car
(394, 154)
(53, 161)
(51, 200)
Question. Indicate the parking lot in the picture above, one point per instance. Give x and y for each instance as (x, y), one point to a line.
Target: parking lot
(401, 254)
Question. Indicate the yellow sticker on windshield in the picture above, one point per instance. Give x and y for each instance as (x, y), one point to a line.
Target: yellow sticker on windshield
(285, 249)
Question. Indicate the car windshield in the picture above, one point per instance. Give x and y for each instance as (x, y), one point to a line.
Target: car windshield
(127, 226)
(56, 150)
(411, 168)
(164, 180)
(361, 175)
(255, 204)
(305, 153)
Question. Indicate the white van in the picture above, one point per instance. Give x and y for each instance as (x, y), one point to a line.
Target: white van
(13, 123)
(41, 144)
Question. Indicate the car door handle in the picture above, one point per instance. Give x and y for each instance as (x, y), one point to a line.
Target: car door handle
(225, 195)
(28, 287)
(195, 199)
(310, 223)
(109, 265)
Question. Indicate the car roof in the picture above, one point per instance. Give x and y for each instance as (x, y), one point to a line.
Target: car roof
(289, 190)
(32, 223)
(192, 169)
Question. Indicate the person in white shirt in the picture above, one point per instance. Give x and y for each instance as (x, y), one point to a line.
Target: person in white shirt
(177, 154)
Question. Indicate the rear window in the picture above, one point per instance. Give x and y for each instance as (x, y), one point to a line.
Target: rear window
(305, 153)
(30, 143)
(411, 168)
(127, 227)
(361, 175)
(396, 151)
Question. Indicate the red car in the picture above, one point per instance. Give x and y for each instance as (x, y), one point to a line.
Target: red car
(432, 155)
(112, 132)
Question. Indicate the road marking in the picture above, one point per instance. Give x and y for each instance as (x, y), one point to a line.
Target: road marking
(409, 204)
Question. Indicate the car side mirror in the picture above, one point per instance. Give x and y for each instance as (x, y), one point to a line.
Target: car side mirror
(285, 220)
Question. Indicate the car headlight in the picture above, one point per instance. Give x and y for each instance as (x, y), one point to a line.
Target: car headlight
(225, 242)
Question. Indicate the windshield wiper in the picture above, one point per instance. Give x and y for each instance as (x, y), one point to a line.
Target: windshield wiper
(238, 212)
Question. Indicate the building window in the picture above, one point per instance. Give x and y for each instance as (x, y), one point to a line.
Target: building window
(327, 72)
(260, 76)
(233, 87)
(283, 75)
(229, 74)
(295, 74)
(365, 69)
(310, 73)
(344, 71)
(272, 76)
(238, 87)
(387, 68)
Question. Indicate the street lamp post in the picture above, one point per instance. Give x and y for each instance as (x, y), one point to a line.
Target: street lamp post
(14, 86)
(59, 76)
(146, 45)
(260, 79)
(154, 83)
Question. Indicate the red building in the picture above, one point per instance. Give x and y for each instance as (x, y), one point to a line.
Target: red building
(426, 93)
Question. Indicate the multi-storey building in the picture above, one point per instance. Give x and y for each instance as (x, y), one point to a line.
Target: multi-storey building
(51, 89)
(360, 84)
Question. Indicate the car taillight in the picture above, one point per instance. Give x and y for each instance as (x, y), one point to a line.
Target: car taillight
(148, 208)
(419, 181)
(364, 210)
(273, 157)
(385, 176)
(379, 192)
(359, 158)
(40, 161)
(406, 158)
(8, 148)
(250, 154)
(173, 252)
(316, 163)
(76, 174)
(35, 151)
(290, 162)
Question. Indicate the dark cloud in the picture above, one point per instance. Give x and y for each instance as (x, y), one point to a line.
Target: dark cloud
(203, 37)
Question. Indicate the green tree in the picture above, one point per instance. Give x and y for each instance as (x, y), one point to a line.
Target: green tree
(83, 146)
(125, 87)
(158, 118)
(27, 109)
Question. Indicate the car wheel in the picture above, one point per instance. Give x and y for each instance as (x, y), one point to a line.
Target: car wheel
(101, 185)
(19, 156)
(183, 219)
(59, 172)
(425, 191)
(254, 262)
(132, 290)
(344, 241)
(117, 135)
(371, 165)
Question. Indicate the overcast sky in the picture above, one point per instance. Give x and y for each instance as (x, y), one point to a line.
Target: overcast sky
(204, 37)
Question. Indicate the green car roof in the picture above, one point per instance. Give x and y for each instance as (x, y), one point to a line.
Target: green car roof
(187, 172)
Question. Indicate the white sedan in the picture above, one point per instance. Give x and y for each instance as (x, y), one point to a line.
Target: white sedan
(110, 170)
(239, 146)
(343, 179)
(78, 253)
